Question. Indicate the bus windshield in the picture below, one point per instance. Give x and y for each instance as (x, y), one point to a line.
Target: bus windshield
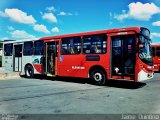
(145, 53)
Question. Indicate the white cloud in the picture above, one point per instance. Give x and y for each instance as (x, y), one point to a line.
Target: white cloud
(52, 8)
(41, 13)
(55, 29)
(50, 17)
(10, 28)
(157, 23)
(69, 14)
(21, 34)
(155, 34)
(123, 11)
(41, 28)
(62, 13)
(18, 16)
(2, 14)
(139, 11)
(121, 17)
(66, 14)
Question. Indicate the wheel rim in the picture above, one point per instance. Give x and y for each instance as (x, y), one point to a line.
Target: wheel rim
(28, 72)
(97, 77)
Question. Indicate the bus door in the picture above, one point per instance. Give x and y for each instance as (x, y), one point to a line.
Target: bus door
(51, 54)
(17, 58)
(123, 57)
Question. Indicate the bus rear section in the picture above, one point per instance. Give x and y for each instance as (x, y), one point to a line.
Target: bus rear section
(24, 56)
(156, 56)
(29, 57)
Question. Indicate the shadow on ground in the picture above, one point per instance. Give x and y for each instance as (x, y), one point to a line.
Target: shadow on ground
(125, 84)
(110, 83)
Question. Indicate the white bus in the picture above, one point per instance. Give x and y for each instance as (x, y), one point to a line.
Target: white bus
(1, 44)
(23, 56)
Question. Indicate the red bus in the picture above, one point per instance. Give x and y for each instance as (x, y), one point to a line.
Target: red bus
(119, 54)
(156, 56)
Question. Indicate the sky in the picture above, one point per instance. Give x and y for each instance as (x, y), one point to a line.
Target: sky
(32, 19)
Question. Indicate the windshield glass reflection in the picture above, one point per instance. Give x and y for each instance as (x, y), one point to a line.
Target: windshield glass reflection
(145, 53)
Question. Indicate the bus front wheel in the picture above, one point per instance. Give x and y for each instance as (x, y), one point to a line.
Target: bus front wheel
(29, 72)
(98, 77)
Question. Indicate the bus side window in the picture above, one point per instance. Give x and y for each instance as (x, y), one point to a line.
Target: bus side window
(158, 51)
(71, 45)
(8, 49)
(18, 50)
(28, 48)
(38, 47)
(95, 44)
(153, 51)
(63, 50)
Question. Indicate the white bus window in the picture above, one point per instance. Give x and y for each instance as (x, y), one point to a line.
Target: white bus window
(28, 48)
(8, 49)
(18, 50)
(38, 48)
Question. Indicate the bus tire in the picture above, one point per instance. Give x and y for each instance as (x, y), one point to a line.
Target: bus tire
(29, 71)
(98, 77)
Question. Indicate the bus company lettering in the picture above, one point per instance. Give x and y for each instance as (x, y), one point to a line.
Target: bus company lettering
(78, 67)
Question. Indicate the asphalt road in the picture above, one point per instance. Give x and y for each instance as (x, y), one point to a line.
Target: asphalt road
(41, 96)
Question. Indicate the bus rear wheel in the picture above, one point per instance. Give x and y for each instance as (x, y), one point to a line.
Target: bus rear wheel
(98, 77)
(29, 72)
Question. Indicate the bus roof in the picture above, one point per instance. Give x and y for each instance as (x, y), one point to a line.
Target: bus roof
(136, 28)
(17, 41)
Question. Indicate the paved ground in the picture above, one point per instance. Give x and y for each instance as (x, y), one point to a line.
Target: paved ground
(7, 74)
(22, 96)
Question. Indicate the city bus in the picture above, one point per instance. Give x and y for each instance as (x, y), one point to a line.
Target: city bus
(13, 54)
(118, 54)
(156, 56)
